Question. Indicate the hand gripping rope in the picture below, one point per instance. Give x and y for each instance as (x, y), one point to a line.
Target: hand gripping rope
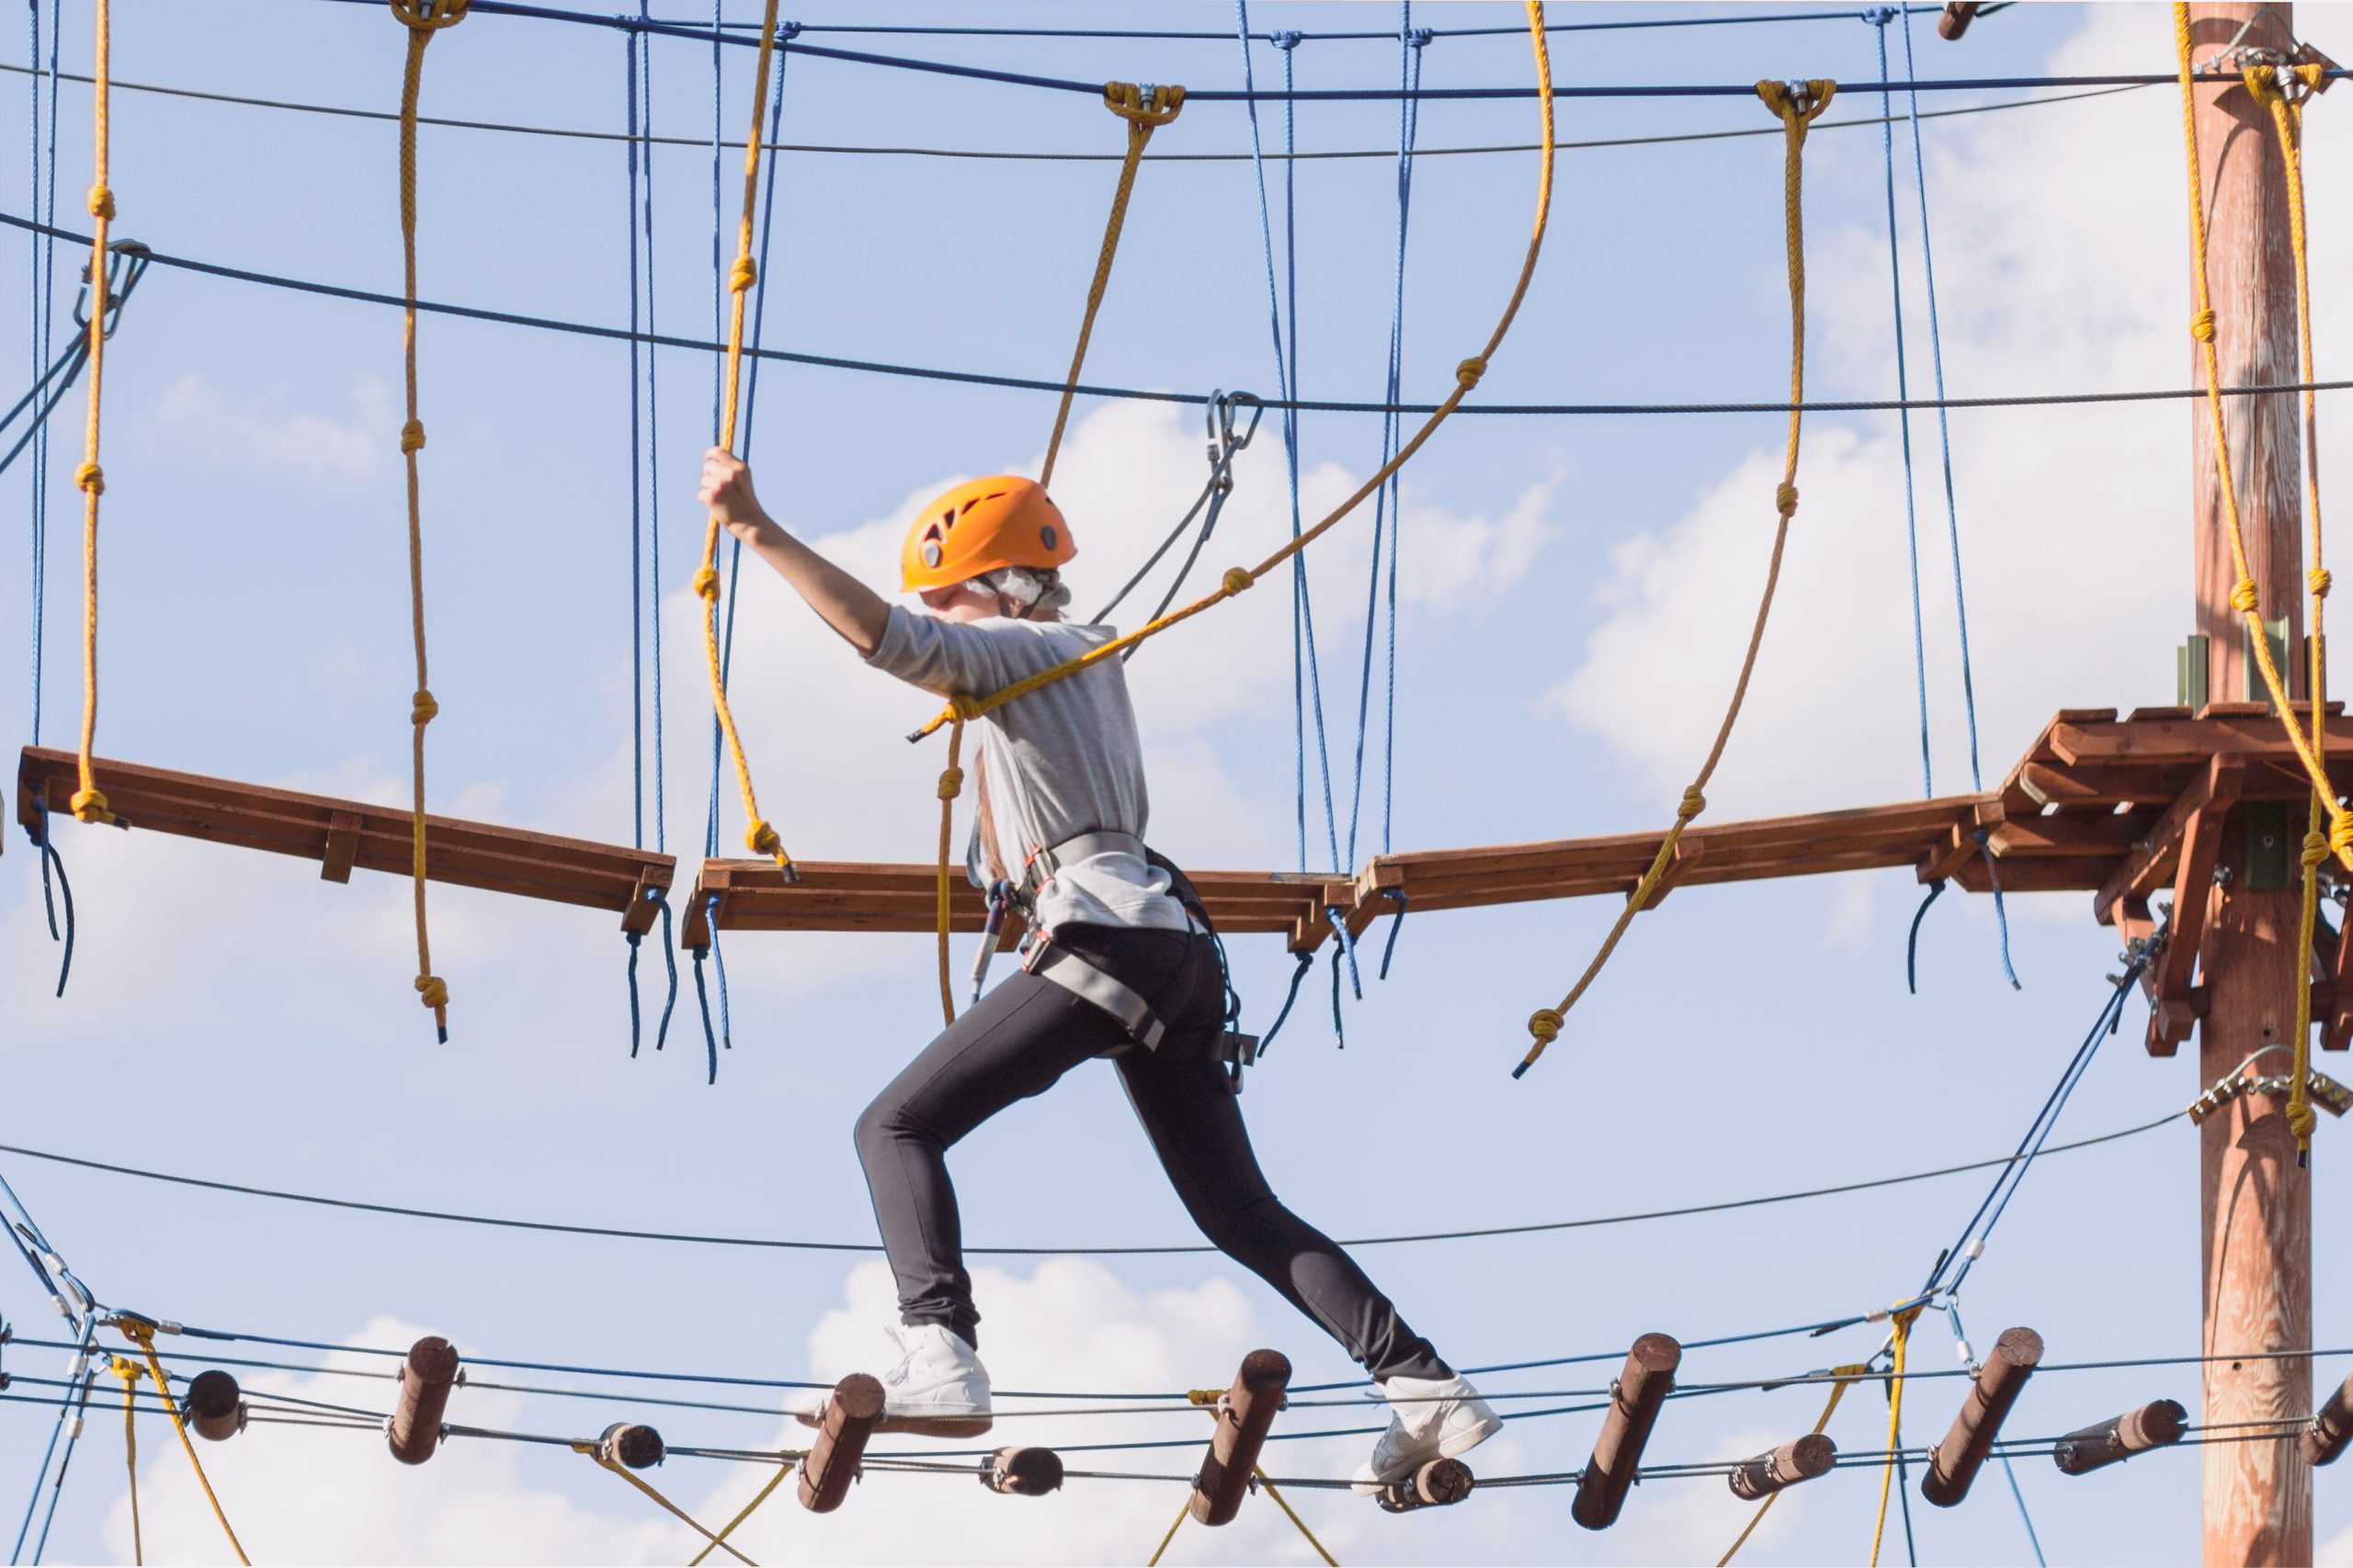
(757, 831)
(962, 710)
(2273, 89)
(1147, 109)
(90, 802)
(423, 18)
(1798, 104)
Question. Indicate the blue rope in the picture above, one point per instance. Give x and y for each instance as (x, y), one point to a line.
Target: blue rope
(71, 1432)
(1333, 918)
(43, 200)
(53, 867)
(1952, 508)
(1306, 961)
(1396, 924)
(702, 997)
(1386, 501)
(1911, 942)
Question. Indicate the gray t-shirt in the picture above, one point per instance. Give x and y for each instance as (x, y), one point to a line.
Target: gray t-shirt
(1058, 762)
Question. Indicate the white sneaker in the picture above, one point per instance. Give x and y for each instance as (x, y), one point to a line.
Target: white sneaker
(1431, 1418)
(939, 1389)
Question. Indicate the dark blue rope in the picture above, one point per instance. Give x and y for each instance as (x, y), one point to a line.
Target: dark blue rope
(1912, 943)
(636, 549)
(653, 548)
(72, 1431)
(1333, 917)
(43, 202)
(670, 959)
(1306, 961)
(703, 1000)
(52, 866)
(1953, 507)
(1386, 501)
(1396, 925)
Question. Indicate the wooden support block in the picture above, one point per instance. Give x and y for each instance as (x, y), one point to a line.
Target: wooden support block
(342, 845)
(214, 1406)
(1689, 852)
(1244, 1416)
(833, 1458)
(426, 1377)
(2201, 838)
(2147, 863)
(1800, 1458)
(1634, 1400)
(1022, 1472)
(1437, 1484)
(644, 904)
(2105, 833)
(2337, 1024)
(2112, 1442)
(1954, 1464)
(2331, 1426)
(630, 1447)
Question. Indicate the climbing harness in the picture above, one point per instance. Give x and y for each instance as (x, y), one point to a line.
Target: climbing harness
(423, 18)
(2284, 90)
(1226, 441)
(142, 1333)
(2245, 597)
(757, 831)
(1798, 104)
(90, 802)
(963, 708)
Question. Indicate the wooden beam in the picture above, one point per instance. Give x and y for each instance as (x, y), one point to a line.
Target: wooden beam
(2143, 870)
(339, 835)
(2172, 1014)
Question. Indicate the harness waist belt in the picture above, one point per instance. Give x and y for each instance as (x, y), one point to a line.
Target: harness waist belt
(1043, 863)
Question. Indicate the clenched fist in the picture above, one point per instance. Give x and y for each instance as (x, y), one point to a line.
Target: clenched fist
(726, 493)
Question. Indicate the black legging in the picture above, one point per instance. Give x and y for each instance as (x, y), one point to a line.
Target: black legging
(1024, 1035)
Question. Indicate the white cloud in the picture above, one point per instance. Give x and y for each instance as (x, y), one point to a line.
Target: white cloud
(2336, 1552)
(260, 432)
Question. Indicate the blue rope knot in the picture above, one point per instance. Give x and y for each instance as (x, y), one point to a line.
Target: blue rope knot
(1287, 38)
(1880, 16)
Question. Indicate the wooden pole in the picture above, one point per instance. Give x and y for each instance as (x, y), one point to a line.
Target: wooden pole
(426, 1374)
(215, 1408)
(2331, 1426)
(1800, 1458)
(1242, 1417)
(1634, 1401)
(2114, 1441)
(833, 1459)
(2256, 1207)
(1437, 1484)
(1954, 1464)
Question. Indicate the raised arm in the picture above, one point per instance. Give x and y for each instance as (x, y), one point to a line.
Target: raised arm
(841, 601)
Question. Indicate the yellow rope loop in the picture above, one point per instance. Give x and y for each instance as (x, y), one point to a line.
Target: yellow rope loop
(745, 273)
(1470, 373)
(1237, 579)
(2315, 849)
(91, 806)
(412, 437)
(2243, 596)
(761, 837)
(1126, 99)
(422, 709)
(951, 783)
(1785, 500)
(2340, 830)
(100, 202)
(1544, 1025)
(433, 991)
(90, 479)
(2201, 325)
(964, 707)
(707, 585)
(1691, 805)
(2301, 1122)
(2319, 581)
(430, 15)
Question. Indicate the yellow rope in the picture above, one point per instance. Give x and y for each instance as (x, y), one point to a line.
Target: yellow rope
(89, 800)
(952, 784)
(1895, 1423)
(1154, 1561)
(423, 18)
(142, 1335)
(128, 1372)
(1842, 1377)
(1259, 1470)
(787, 1459)
(757, 831)
(604, 1463)
(2288, 121)
(2245, 597)
(1798, 104)
(1143, 115)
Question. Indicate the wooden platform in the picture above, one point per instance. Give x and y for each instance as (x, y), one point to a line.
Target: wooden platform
(342, 834)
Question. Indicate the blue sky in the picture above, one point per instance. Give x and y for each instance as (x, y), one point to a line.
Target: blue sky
(1575, 591)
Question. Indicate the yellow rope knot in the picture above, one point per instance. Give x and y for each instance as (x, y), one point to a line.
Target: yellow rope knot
(1127, 101)
(707, 583)
(2244, 597)
(2319, 582)
(1467, 375)
(422, 709)
(432, 992)
(90, 806)
(965, 707)
(745, 272)
(951, 783)
(90, 479)
(430, 15)
(2201, 326)
(2315, 849)
(762, 838)
(2340, 831)
(1693, 804)
(1799, 104)
(2262, 85)
(2300, 1122)
(413, 437)
(1785, 499)
(1544, 1024)
(1237, 579)
(101, 201)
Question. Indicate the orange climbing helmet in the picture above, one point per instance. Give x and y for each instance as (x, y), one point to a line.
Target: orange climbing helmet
(980, 527)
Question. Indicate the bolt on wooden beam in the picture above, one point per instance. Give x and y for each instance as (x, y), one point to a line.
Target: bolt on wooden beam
(1437, 1484)
(1243, 1414)
(833, 1460)
(1634, 1400)
(428, 1374)
(2331, 1426)
(2112, 1442)
(1954, 1464)
(1022, 1472)
(215, 1408)
(630, 1447)
(1800, 1458)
